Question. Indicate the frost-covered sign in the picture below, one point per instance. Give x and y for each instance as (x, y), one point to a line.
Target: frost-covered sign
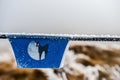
(38, 52)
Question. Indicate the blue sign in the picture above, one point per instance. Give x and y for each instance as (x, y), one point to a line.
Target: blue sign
(38, 52)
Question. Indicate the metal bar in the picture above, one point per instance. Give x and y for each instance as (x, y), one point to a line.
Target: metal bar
(70, 37)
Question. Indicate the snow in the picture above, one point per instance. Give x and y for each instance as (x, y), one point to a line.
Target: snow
(90, 72)
(62, 35)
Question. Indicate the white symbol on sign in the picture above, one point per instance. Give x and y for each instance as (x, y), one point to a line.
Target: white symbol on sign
(36, 51)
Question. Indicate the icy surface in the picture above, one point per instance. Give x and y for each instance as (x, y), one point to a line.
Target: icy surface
(62, 35)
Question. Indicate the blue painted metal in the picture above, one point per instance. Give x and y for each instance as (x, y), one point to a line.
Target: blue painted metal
(53, 58)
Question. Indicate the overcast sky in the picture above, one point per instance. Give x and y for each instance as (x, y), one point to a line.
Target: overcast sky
(60, 16)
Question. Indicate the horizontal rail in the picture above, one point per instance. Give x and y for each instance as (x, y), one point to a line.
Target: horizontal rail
(62, 36)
